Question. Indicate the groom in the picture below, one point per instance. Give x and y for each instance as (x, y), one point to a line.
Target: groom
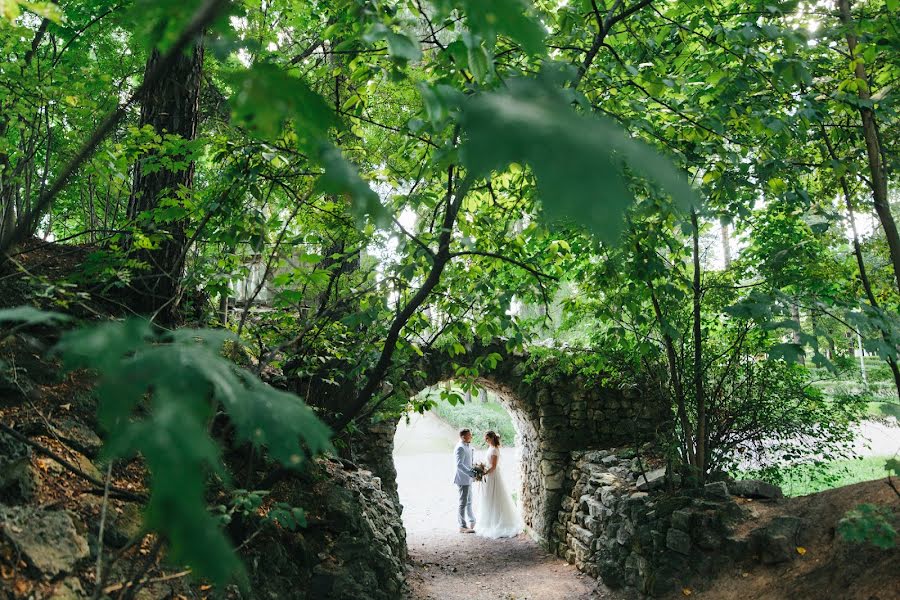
(464, 458)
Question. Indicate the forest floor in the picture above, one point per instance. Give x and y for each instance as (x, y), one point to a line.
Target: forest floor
(830, 567)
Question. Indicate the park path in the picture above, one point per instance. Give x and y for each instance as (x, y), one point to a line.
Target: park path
(447, 565)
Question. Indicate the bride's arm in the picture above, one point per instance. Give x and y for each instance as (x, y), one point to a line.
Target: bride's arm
(492, 459)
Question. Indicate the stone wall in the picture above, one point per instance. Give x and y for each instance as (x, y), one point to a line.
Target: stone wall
(354, 544)
(618, 524)
(373, 447)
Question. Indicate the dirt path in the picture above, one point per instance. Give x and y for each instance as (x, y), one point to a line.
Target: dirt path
(454, 566)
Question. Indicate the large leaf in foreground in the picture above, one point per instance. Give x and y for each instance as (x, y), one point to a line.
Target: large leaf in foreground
(579, 161)
(158, 393)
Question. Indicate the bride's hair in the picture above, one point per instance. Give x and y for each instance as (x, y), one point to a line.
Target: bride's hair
(494, 438)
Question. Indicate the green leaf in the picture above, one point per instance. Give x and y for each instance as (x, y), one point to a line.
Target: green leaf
(47, 10)
(342, 178)
(790, 352)
(869, 523)
(9, 9)
(579, 161)
(507, 17)
(29, 315)
(266, 97)
(158, 393)
(402, 47)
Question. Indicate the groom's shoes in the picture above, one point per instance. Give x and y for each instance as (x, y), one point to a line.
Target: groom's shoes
(472, 525)
(466, 530)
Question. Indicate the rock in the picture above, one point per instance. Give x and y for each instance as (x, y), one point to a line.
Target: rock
(775, 549)
(681, 519)
(777, 542)
(354, 545)
(555, 481)
(79, 436)
(679, 541)
(661, 582)
(48, 540)
(716, 491)
(754, 488)
(18, 480)
(651, 480)
(123, 525)
(68, 589)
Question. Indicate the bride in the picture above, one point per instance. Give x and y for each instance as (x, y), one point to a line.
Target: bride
(498, 518)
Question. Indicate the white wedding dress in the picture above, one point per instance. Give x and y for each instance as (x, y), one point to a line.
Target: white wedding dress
(498, 517)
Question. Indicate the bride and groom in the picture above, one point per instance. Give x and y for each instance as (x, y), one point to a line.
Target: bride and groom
(498, 517)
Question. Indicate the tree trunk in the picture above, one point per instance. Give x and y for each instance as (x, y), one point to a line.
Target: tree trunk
(171, 106)
(857, 251)
(795, 335)
(726, 242)
(864, 277)
(701, 457)
(687, 430)
(877, 171)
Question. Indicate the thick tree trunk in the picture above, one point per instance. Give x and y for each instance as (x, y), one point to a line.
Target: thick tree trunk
(877, 171)
(171, 106)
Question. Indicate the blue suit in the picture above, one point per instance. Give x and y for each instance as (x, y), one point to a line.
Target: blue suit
(465, 457)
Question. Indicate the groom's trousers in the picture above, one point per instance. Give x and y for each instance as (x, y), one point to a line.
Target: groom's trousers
(465, 505)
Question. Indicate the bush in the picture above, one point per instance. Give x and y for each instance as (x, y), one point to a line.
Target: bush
(479, 415)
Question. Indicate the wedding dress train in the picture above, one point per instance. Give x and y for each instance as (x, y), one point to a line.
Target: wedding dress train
(498, 517)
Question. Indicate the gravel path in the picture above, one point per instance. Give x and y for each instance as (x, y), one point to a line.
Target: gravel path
(455, 566)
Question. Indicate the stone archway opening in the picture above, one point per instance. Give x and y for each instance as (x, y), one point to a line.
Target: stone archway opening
(424, 462)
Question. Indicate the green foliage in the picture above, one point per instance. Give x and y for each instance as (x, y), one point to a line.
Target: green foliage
(573, 157)
(480, 414)
(158, 395)
(809, 477)
(508, 17)
(248, 503)
(868, 523)
(348, 152)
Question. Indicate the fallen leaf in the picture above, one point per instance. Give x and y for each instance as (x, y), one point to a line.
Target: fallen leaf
(801, 550)
(205, 587)
(686, 591)
(65, 406)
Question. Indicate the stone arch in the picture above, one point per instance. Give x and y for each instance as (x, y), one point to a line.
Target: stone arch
(555, 413)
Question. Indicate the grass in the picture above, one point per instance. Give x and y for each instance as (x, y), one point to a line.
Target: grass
(480, 414)
(881, 391)
(809, 479)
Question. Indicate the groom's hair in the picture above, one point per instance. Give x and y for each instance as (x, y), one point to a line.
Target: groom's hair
(464, 431)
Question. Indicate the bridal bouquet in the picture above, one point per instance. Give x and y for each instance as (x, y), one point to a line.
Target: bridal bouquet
(479, 469)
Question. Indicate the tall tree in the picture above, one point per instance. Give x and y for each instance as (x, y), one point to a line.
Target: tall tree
(171, 106)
